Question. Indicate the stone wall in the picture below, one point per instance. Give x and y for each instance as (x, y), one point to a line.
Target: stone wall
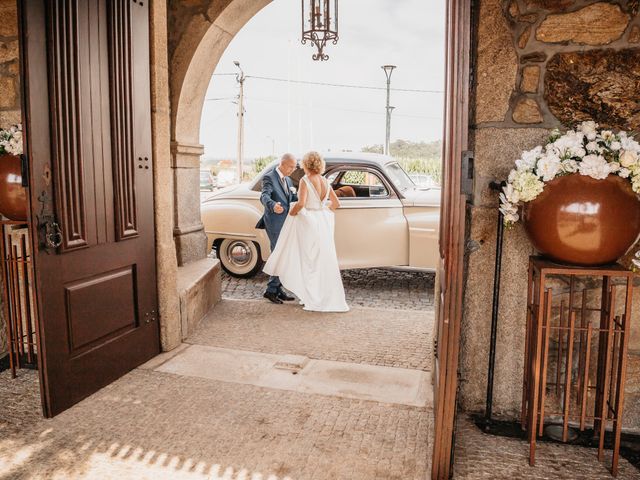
(540, 64)
(10, 112)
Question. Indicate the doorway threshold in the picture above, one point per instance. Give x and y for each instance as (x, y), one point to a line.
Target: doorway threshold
(301, 374)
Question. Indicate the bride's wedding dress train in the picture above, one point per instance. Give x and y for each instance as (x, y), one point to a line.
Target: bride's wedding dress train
(305, 256)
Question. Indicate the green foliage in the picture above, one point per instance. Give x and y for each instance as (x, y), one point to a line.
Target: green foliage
(415, 157)
(260, 163)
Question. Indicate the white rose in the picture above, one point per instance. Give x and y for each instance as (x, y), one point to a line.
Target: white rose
(594, 166)
(589, 129)
(592, 146)
(607, 135)
(529, 158)
(614, 167)
(577, 151)
(628, 158)
(569, 166)
(628, 143)
(548, 167)
(615, 146)
(624, 172)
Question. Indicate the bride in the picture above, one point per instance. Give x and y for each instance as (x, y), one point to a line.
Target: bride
(305, 255)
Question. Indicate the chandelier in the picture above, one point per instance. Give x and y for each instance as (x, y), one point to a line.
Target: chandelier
(320, 25)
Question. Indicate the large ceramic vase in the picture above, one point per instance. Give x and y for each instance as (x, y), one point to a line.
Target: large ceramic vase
(583, 221)
(13, 196)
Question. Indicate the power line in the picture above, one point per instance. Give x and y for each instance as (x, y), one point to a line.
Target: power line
(325, 107)
(341, 85)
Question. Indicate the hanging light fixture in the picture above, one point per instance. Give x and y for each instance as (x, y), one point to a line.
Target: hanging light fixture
(320, 25)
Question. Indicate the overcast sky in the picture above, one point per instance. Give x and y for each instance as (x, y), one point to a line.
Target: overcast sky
(283, 116)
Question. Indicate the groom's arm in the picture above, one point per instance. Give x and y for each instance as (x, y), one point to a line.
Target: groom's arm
(267, 191)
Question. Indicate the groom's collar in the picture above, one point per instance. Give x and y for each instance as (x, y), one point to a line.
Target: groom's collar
(279, 173)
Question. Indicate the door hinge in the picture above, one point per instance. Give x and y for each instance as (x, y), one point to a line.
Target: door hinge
(24, 169)
(467, 174)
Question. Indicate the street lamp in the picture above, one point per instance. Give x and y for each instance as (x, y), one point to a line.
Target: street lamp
(388, 70)
(240, 80)
(273, 144)
(320, 25)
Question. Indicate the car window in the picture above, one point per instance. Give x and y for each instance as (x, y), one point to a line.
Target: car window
(358, 183)
(399, 177)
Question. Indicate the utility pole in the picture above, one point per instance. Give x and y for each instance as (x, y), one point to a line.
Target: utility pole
(388, 70)
(240, 80)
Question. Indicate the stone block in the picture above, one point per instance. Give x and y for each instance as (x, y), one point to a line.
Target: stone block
(596, 24)
(9, 51)
(524, 37)
(476, 326)
(9, 16)
(199, 288)
(190, 246)
(497, 64)
(10, 117)
(8, 92)
(527, 111)
(634, 34)
(600, 85)
(536, 57)
(530, 79)
(496, 150)
(551, 5)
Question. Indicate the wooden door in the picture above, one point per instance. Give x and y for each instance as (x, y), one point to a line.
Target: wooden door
(88, 125)
(452, 233)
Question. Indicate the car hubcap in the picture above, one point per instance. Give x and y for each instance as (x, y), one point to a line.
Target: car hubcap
(239, 254)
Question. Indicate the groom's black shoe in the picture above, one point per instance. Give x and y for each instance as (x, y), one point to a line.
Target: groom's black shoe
(284, 297)
(273, 297)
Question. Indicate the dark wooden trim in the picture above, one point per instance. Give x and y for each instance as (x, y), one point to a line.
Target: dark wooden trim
(34, 77)
(119, 15)
(452, 233)
(66, 119)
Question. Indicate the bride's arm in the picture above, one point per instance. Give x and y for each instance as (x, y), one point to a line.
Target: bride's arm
(333, 198)
(302, 199)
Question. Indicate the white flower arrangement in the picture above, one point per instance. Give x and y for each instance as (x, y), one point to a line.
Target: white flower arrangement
(585, 151)
(11, 140)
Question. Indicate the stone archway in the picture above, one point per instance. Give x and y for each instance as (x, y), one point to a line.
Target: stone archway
(188, 39)
(198, 36)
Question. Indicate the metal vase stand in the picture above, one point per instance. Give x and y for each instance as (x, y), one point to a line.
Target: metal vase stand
(579, 395)
(18, 302)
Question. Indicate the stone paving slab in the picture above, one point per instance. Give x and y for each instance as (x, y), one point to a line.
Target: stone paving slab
(391, 338)
(151, 425)
(323, 377)
(482, 456)
(369, 287)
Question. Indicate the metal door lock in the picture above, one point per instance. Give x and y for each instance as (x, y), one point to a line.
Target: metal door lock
(53, 234)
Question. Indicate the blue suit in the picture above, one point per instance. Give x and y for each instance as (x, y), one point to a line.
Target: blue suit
(273, 192)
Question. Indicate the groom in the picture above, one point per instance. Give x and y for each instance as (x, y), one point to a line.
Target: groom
(277, 195)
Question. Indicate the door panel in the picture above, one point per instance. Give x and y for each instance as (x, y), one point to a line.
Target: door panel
(371, 233)
(88, 128)
(452, 235)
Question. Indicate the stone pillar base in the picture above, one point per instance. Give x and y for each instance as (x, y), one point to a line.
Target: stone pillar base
(199, 288)
(191, 245)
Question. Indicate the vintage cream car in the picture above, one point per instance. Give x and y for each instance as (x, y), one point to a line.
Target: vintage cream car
(384, 221)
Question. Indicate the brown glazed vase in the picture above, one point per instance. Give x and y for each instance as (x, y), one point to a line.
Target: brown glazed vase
(583, 221)
(13, 196)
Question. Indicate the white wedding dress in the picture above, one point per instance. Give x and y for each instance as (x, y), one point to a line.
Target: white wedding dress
(305, 255)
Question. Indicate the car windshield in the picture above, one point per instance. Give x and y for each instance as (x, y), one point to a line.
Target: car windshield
(399, 177)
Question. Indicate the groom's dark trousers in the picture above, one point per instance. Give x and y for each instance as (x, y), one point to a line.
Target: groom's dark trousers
(273, 191)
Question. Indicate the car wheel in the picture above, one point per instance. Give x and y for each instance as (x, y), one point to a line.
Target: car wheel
(239, 258)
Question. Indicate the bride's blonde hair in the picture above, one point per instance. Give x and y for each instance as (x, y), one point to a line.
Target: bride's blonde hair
(313, 162)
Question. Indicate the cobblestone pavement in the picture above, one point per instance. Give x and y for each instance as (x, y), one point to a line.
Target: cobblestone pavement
(371, 287)
(19, 401)
(482, 456)
(391, 338)
(151, 425)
